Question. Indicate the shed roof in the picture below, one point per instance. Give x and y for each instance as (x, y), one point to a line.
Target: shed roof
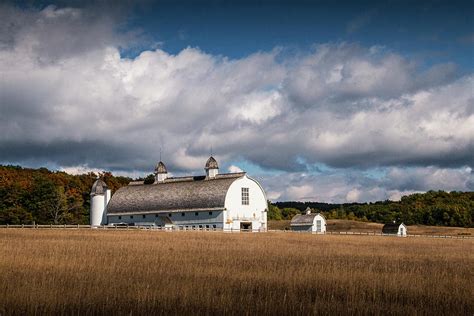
(174, 194)
(304, 220)
(391, 228)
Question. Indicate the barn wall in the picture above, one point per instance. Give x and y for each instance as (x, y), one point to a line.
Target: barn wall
(203, 218)
(255, 212)
(400, 229)
(132, 219)
(306, 228)
(323, 223)
(189, 218)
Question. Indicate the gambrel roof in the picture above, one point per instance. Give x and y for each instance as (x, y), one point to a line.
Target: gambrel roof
(174, 194)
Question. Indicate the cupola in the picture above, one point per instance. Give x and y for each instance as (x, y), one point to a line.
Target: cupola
(160, 172)
(212, 169)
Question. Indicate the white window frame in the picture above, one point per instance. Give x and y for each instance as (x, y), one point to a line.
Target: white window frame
(245, 196)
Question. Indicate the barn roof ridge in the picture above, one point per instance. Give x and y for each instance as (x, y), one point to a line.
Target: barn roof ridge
(193, 178)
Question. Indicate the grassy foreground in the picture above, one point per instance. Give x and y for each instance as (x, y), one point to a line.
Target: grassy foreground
(149, 272)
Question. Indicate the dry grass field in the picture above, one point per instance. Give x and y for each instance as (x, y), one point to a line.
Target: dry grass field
(342, 225)
(149, 272)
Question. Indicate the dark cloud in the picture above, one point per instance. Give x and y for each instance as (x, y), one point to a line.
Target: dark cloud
(100, 155)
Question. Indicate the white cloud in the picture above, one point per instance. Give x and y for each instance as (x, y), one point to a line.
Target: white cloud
(342, 185)
(70, 98)
(300, 193)
(353, 195)
(80, 170)
(234, 169)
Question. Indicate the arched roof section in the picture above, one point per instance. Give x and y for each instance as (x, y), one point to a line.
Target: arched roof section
(99, 187)
(174, 194)
(306, 219)
(264, 193)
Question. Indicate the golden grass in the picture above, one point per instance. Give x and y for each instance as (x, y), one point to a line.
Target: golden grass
(342, 225)
(149, 272)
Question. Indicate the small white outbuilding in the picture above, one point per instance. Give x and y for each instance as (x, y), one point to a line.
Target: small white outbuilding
(395, 229)
(309, 222)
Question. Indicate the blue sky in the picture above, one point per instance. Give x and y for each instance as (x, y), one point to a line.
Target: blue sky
(433, 31)
(322, 101)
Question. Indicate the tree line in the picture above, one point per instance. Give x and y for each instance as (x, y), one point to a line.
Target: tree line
(438, 208)
(45, 197)
(42, 196)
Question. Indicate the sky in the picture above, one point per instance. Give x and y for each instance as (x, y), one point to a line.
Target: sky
(319, 101)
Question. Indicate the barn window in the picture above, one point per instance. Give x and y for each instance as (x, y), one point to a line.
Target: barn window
(170, 214)
(182, 214)
(210, 213)
(144, 216)
(131, 216)
(196, 213)
(120, 217)
(156, 215)
(245, 196)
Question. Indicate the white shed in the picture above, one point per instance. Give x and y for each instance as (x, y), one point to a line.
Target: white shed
(309, 222)
(395, 229)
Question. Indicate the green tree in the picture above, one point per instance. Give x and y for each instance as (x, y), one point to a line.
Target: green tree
(15, 215)
(274, 213)
(150, 179)
(60, 207)
(289, 212)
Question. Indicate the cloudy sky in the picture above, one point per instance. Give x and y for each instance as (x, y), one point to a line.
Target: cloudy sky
(319, 101)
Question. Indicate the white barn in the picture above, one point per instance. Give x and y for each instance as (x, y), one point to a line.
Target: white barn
(309, 222)
(231, 201)
(395, 229)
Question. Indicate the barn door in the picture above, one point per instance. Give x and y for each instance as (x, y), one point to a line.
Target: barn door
(246, 226)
